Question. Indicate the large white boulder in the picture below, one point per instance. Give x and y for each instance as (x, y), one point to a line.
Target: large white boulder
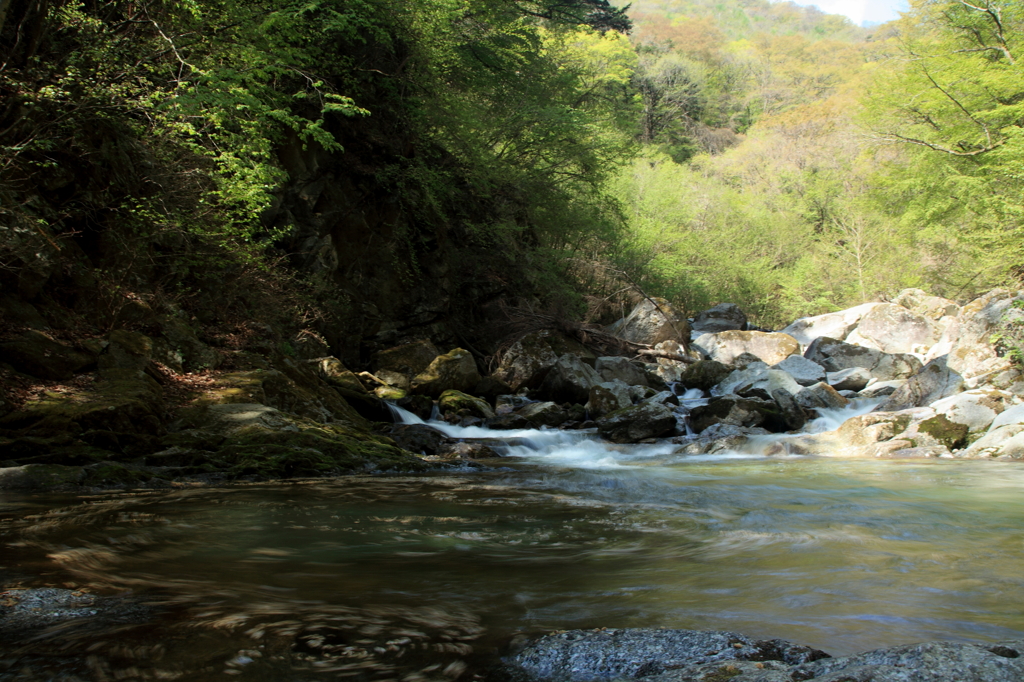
(894, 329)
(833, 325)
(771, 347)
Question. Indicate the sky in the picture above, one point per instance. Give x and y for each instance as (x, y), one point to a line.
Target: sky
(874, 11)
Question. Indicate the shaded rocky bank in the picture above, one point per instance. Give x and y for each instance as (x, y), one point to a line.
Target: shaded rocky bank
(131, 409)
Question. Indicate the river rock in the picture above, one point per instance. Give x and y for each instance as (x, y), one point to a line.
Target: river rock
(543, 414)
(510, 421)
(489, 388)
(880, 389)
(818, 397)
(704, 374)
(334, 372)
(467, 451)
(932, 307)
(633, 424)
(570, 380)
(651, 322)
(506, 404)
(804, 371)
(527, 362)
(406, 360)
(722, 317)
(935, 381)
(1011, 415)
(971, 353)
(452, 401)
(456, 370)
(975, 409)
(1005, 441)
(758, 378)
(667, 398)
(620, 369)
(609, 654)
(40, 477)
(770, 347)
(833, 325)
(39, 355)
(182, 346)
(719, 438)
(849, 379)
(793, 416)
(835, 355)
(934, 431)
(422, 439)
(732, 409)
(670, 371)
(926, 662)
(606, 397)
(892, 328)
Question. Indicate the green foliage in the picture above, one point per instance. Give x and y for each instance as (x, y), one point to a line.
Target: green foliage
(954, 100)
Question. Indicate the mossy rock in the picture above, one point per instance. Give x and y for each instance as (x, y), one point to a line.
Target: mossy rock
(454, 401)
(113, 475)
(38, 355)
(40, 477)
(305, 448)
(389, 393)
(704, 374)
(950, 434)
(122, 401)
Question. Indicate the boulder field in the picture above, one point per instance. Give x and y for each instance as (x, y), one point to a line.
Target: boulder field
(161, 408)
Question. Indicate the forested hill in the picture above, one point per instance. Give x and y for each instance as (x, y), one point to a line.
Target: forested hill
(345, 175)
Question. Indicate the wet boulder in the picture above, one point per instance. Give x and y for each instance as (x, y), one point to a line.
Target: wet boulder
(509, 421)
(527, 362)
(719, 438)
(37, 354)
(334, 372)
(457, 402)
(880, 389)
(467, 451)
(569, 380)
(621, 369)
(849, 379)
(705, 374)
(651, 322)
(606, 397)
(769, 347)
(635, 423)
(456, 370)
(892, 328)
(820, 396)
(610, 654)
(804, 371)
(934, 381)
(757, 379)
(722, 317)
(926, 662)
(506, 404)
(790, 412)
(406, 360)
(543, 414)
(835, 355)
(422, 439)
(737, 411)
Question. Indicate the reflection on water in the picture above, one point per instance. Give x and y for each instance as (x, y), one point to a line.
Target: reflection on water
(412, 577)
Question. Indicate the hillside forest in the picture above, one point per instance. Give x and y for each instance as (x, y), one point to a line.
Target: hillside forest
(332, 156)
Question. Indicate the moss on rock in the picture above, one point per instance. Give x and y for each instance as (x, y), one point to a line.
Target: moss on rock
(950, 434)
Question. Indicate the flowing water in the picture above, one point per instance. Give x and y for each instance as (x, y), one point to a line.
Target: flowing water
(417, 577)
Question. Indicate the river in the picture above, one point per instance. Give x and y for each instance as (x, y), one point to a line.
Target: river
(427, 577)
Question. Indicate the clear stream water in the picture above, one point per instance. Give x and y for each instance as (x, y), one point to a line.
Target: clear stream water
(417, 577)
